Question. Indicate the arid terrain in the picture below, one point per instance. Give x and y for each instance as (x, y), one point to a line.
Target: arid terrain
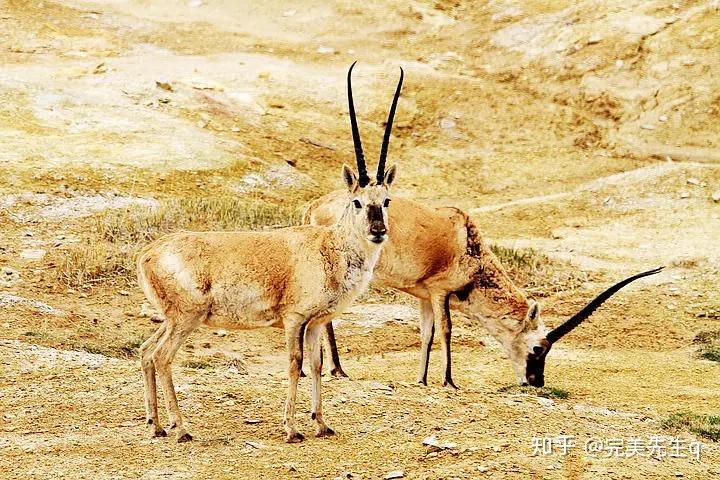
(582, 137)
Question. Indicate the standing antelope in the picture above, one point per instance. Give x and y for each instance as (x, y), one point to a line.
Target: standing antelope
(438, 256)
(298, 278)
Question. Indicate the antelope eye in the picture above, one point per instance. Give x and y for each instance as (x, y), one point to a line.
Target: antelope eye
(386, 203)
(357, 203)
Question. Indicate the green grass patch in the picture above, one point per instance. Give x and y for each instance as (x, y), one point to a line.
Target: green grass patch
(706, 426)
(710, 341)
(710, 353)
(545, 392)
(34, 334)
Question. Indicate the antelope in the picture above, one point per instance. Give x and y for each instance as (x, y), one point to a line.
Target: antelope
(439, 256)
(298, 278)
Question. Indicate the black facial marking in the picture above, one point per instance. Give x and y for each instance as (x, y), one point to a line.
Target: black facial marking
(386, 203)
(149, 421)
(535, 370)
(357, 203)
(375, 214)
(314, 415)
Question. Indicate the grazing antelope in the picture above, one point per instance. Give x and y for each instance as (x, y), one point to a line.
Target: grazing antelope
(438, 256)
(298, 278)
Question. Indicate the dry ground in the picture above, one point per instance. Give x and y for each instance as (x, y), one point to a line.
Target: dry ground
(585, 130)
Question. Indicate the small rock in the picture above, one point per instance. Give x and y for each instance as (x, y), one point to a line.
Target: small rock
(195, 3)
(716, 196)
(221, 333)
(482, 468)
(647, 126)
(157, 318)
(124, 293)
(325, 50)
(662, 118)
(164, 86)
(693, 181)
(289, 13)
(432, 454)
(545, 402)
(380, 386)
(252, 421)
(432, 449)
(394, 474)
(32, 254)
(254, 445)
(146, 311)
(9, 277)
(684, 195)
(447, 123)
(594, 39)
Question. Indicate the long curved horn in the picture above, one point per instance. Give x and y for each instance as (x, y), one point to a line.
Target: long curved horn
(380, 176)
(363, 178)
(562, 330)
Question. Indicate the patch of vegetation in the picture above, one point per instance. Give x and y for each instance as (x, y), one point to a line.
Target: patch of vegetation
(34, 334)
(199, 364)
(711, 353)
(706, 426)
(545, 392)
(108, 252)
(708, 337)
(710, 341)
(129, 349)
(536, 272)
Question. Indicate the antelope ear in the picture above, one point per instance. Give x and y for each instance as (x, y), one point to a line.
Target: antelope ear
(533, 313)
(390, 176)
(350, 178)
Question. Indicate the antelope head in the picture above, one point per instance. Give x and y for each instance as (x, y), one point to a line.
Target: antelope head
(529, 349)
(368, 199)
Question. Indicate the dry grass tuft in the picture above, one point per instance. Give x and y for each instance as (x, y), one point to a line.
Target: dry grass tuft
(706, 426)
(537, 273)
(108, 252)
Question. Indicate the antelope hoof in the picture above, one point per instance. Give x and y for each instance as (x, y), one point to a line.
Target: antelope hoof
(422, 382)
(184, 437)
(155, 430)
(325, 432)
(294, 437)
(302, 374)
(338, 372)
(449, 383)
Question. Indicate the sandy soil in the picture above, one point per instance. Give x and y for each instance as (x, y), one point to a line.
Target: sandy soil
(586, 130)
